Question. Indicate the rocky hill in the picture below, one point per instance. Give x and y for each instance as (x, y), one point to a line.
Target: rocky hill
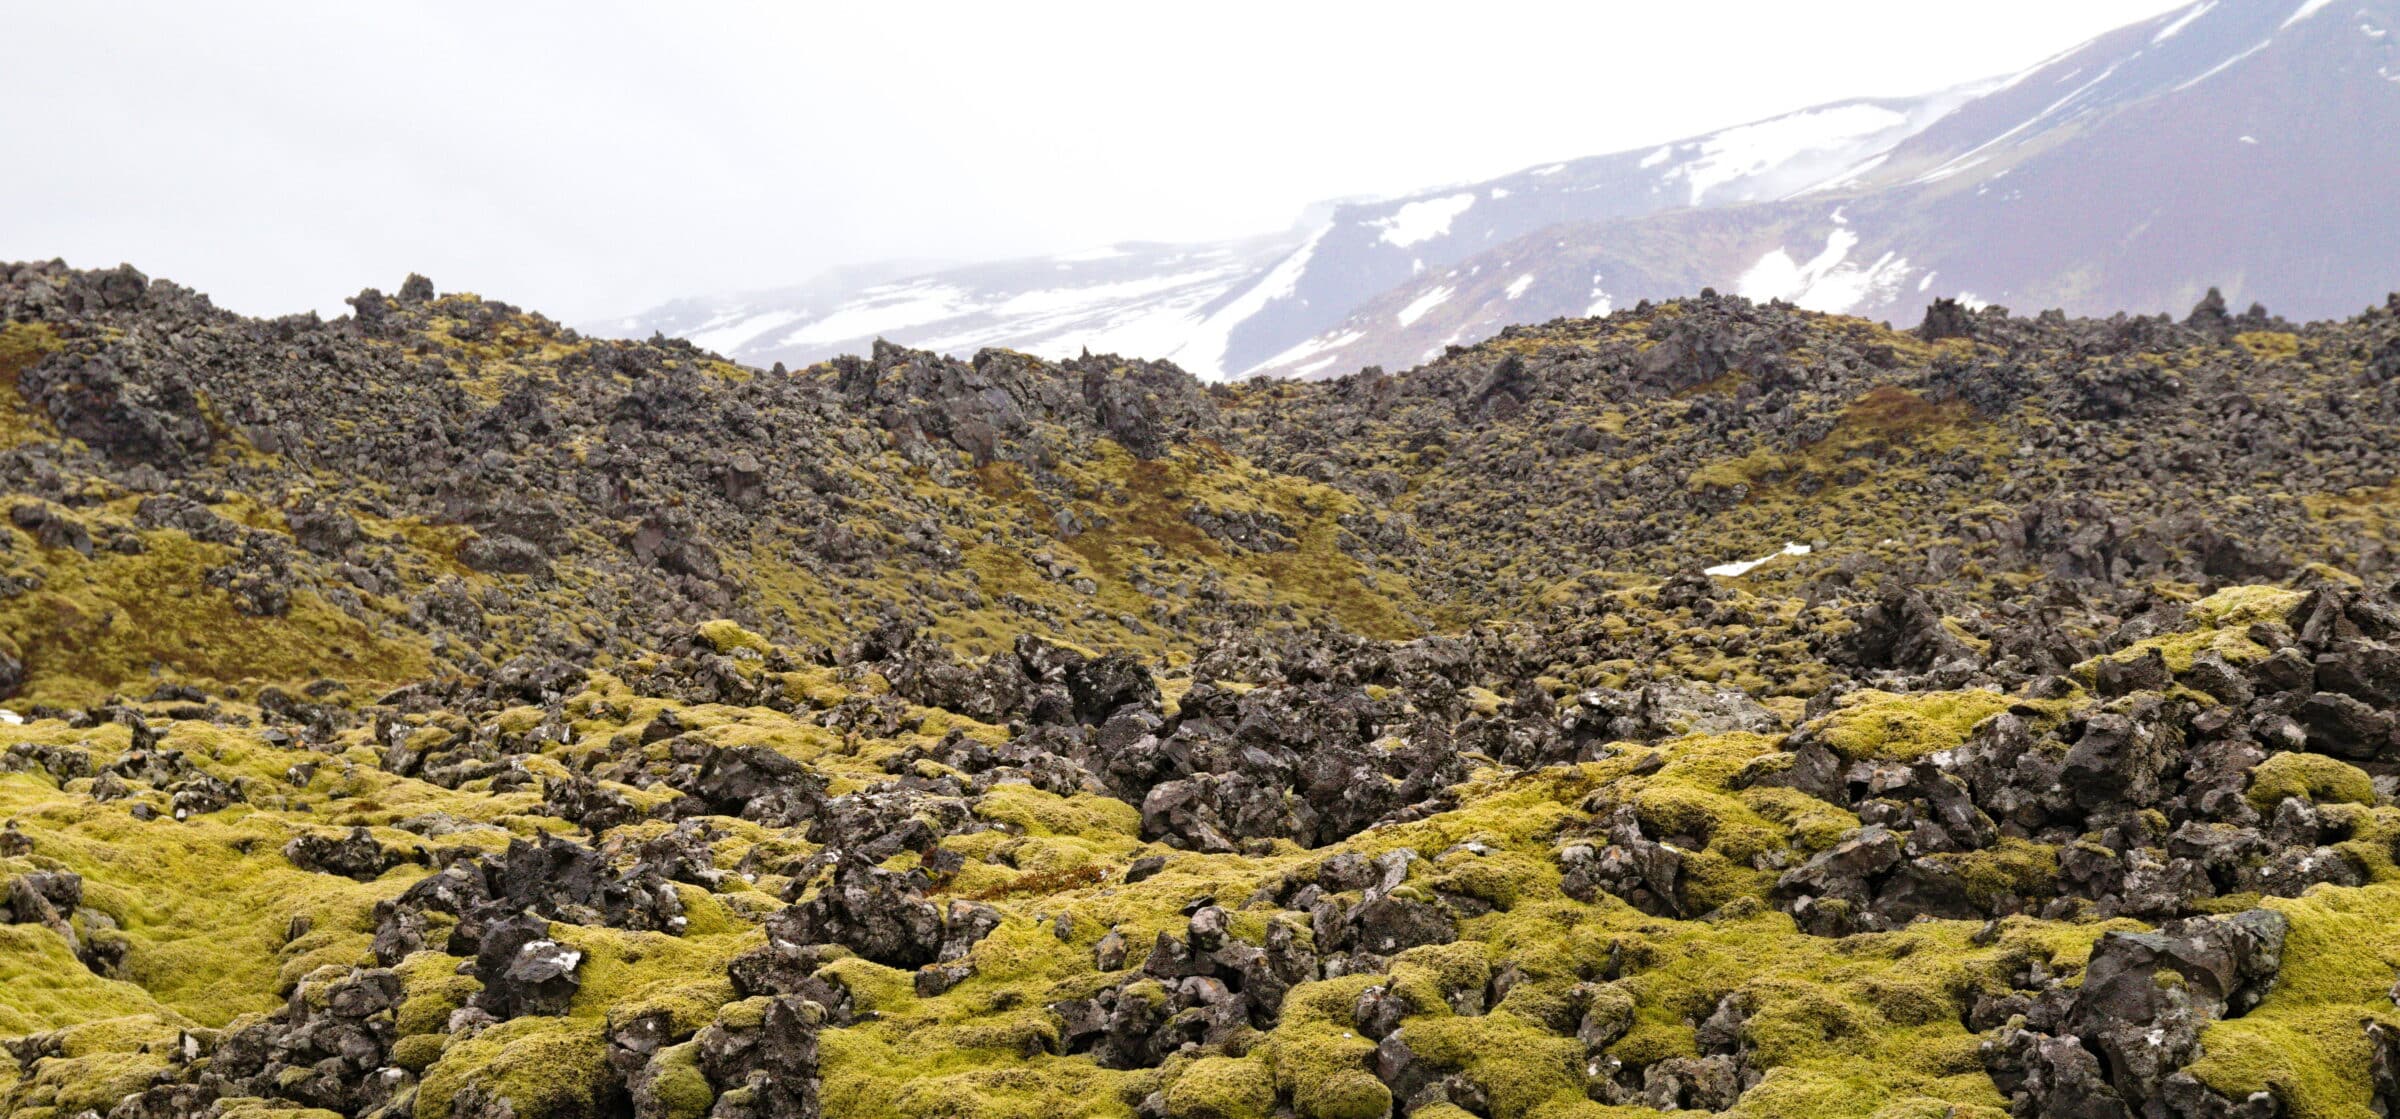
(1711, 706)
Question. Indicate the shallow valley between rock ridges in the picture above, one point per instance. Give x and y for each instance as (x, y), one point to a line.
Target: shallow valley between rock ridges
(434, 712)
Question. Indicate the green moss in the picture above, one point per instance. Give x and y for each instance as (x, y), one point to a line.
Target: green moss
(1222, 1088)
(2219, 623)
(2306, 1040)
(2320, 779)
(545, 1068)
(68, 1087)
(115, 622)
(418, 1052)
(22, 344)
(209, 954)
(48, 988)
(1875, 724)
(1799, 1021)
(681, 1090)
(267, 1109)
(630, 974)
(2242, 606)
(1520, 1065)
(1499, 879)
(431, 989)
(726, 636)
(1055, 836)
(2011, 868)
(1320, 1063)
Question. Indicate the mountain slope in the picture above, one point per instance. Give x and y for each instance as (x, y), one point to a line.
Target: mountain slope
(2232, 144)
(1225, 309)
(1132, 298)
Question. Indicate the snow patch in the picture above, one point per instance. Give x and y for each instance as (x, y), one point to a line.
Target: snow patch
(1856, 174)
(2185, 20)
(11, 718)
(1752, 149)
(1439, 348)
(2221, 67)
(1497, 193)
(2018, 78)
(1417, 307)
(1973, 156)
(2249, 139)
(1657, 157)
(1552, 169)
(1051, 301)
(885, 309)
(1423, 221)
(1310, 348)
(726, 333)
(1517, 287)
(1205, 351)
(1826, 282)
(2306, 9)
(1739, 568)
(1602, 302)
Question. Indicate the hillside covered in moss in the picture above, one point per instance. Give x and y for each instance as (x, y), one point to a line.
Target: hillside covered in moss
(1713, 707)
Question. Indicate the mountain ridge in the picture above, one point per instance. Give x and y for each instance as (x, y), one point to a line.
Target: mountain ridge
(2118, 175)
(1378, 244)
(1918, 202)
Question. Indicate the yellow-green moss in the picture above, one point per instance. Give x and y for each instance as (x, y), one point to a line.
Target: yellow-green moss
(1222, 1088)
(1876, 724)
(681, 1090)
(2306, 1040)
(2319, 778)
(2012, 867)
(726, 636)
(115, 622)
(546, 1068)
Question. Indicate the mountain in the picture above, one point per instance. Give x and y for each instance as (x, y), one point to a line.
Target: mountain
(1164, 300)
(1711, 706)
(2227, 144)
(1224, 309)
(1370, 248)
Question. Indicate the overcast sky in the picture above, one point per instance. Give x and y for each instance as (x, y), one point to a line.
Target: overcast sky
(590, 158)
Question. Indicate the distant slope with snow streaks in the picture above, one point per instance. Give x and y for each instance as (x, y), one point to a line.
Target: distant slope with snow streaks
(2242, 144)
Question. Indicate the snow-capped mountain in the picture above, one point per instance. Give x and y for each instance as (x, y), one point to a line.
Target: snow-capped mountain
(2242, 144)
(1141, 299)
(1367, 250)
(1224, 309)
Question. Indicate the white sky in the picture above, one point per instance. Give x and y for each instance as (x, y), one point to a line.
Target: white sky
(588, 158)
